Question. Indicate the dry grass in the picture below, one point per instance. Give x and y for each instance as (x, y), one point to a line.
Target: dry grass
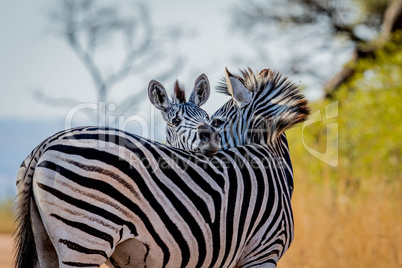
(337, 230)
(6, 251)
(333, 228)
(7, 223)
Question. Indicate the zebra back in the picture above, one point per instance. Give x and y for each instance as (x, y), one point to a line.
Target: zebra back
(96, 188)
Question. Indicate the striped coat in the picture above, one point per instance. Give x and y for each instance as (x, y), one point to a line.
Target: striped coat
(97, 190)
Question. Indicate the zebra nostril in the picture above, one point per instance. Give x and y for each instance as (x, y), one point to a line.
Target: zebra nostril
(204, 136)
(205, 133)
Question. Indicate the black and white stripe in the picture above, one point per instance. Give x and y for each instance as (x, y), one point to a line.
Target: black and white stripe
(261, 108)
(97, 188)
(104, 195)
(186, 126)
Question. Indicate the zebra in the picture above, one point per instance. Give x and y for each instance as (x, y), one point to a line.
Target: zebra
(158, 206)
(186, 128)
(255, 118)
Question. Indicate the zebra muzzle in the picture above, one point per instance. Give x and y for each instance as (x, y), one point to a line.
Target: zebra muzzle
(209, 139)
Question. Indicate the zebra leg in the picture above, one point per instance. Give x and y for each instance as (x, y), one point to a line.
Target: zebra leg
(73, 250)
(47, 256)
(129, 254)
(265, 265)
(75, 254)
(261, 260)
(74, 247)
(268, 264)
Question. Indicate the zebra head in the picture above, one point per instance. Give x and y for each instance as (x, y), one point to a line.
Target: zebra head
(187, 124)
(261, 108)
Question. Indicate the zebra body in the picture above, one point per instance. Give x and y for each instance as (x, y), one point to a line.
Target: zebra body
(99, 190)
(95, 195)
(261, 108)
(49, 166)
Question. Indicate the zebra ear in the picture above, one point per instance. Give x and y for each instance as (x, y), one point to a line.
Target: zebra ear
(158, 96)
(237, 90)
(201, 90)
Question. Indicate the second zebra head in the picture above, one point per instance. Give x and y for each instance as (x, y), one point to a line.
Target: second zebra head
(260, 109)
(187, 124)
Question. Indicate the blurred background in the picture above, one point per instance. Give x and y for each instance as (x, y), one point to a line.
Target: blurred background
(66, 63)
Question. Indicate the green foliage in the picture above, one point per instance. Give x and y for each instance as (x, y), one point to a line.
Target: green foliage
(369, 124)
(361, 197)
(371, 111)
(373, 7)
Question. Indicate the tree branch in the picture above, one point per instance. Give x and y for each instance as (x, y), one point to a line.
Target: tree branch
(335, 16)
(54, 101)
(392, 22)
(87, 25)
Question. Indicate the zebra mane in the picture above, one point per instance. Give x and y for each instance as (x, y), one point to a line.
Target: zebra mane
(292, 105)
(179, 93)
(266, 79)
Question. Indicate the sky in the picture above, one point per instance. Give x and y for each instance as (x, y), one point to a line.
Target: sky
(34, 60)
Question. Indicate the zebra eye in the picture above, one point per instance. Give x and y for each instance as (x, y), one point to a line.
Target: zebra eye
(217, 122)
(176, 121)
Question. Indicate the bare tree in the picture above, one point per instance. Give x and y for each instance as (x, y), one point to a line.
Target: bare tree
(91, 26)
(319, 27)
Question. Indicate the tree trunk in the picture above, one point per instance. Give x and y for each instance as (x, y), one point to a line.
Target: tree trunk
(392, 23)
